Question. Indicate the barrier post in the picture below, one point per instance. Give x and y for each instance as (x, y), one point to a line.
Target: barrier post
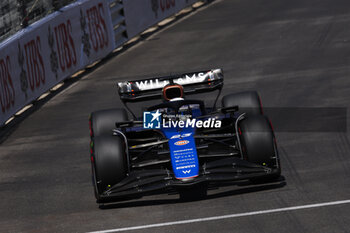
(22, 9)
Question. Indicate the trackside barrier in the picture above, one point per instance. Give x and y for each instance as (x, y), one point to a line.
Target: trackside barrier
(50, 50)
(152, 11)
(118, 22)
(54, 48)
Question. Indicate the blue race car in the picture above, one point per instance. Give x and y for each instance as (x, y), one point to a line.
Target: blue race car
(180, 144)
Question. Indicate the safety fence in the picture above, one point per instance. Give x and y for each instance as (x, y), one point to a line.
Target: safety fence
(54, 48)
(18, 14)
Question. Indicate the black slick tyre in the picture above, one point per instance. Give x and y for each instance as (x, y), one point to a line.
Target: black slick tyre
(248, 102)
(103, 122)
(109, 165)
(258, 143)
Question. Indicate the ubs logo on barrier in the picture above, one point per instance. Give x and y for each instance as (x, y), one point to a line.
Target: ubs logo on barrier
(162, 4)
(97, 27)
(7, 90)
(32, 65)
(65, 46)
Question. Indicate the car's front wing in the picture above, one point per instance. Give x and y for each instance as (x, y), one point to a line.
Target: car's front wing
(145, 182)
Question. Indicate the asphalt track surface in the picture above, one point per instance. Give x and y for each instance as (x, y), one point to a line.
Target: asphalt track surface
(295, 53)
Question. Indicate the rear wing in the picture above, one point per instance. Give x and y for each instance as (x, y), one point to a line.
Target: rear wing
(193, 83)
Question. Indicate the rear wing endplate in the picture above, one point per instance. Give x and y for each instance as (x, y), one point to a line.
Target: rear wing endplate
(193, 83)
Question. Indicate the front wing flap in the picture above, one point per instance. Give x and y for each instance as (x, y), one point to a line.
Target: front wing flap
(140, 183)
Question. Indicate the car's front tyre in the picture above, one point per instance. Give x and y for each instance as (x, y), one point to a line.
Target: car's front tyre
(102, 122)
(258, 143)
(108, 161)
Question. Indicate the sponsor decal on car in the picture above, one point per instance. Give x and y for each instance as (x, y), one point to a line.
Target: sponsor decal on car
(181, 135)
(181, 143)
(183, 152)
(157, 83)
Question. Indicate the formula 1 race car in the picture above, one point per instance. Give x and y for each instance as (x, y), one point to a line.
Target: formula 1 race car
(180, 145)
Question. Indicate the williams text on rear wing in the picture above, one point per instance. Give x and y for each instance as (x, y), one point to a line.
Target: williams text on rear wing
(193, 83)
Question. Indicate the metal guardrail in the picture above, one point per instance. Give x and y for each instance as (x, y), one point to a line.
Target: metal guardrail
(118, 21)
(17, 14)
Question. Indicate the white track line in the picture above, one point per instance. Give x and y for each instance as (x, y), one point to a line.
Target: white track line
(226, 216)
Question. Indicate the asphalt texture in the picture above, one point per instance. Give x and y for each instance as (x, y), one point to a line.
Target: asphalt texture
(294, 53)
